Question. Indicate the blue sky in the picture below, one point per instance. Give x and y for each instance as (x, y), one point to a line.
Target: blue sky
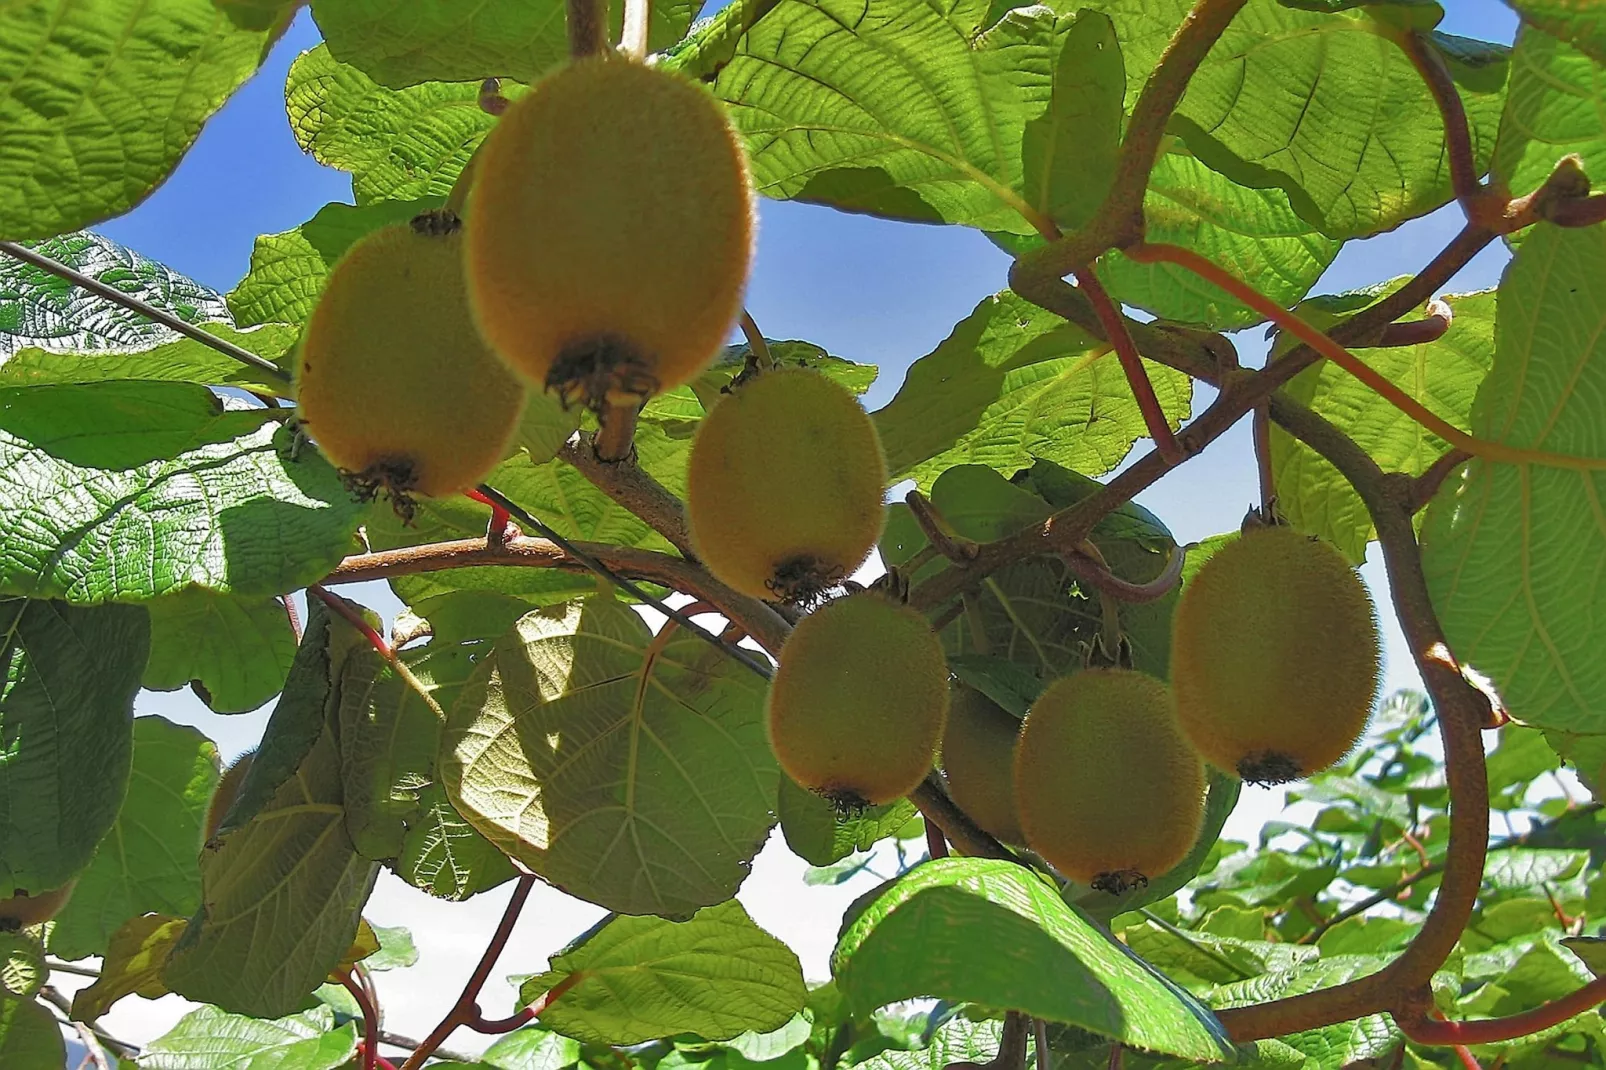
(867, 290)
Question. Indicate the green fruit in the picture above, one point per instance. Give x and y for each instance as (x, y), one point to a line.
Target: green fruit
(1275, 658)
(859, 700)
(1108, 789)
(978, 759)
(610, 229)
(393, 381)
(22, 909)
(784, 486)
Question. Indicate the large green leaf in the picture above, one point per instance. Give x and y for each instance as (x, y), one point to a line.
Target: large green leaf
(1069, 152)
(281, 898)
(100, 100)
(148, 861)
(399, 145)
(1443, 375)
(1013, 383)
(238, 649)
(66, 733)
(1322, 105)
(288, 269)
(627, 769)
(1581, 23)
(533, 1048)
(212, 1039)
(1556, 105)
(126, 491)
(400, 43)
(29, 1036)
(902, 110)
(1512, 552)
(715, 975)
(995, 933)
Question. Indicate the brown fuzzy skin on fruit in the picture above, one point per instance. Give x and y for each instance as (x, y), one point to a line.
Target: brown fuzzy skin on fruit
(22, 910)
(978, 760)
(610, 230)
(784, 486)
(227, 790)
(858, 702)
(1108, 789)
(1275, 658)
(393, 380)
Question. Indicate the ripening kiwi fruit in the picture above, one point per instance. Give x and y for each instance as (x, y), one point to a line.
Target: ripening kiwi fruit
(858, 701)
(784, 486)
(22, 909)
(1274, 657)
(610, 227)
(227, 790)
(978, 760)
(393, 380)
(1108, 788)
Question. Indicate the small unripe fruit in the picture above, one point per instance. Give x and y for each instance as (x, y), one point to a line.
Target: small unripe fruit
(610, 227)
(22, 910)
(978, 760)
(784, 486)
(227, 790)
(858, 701)
(1275, 658)
(393, 381)
(1108, 789)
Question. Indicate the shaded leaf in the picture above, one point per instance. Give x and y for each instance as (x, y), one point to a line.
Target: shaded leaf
(134, 959)
(821, 835)
(29, 1036)
(238, 648)
(1069, 152)
(22, 964)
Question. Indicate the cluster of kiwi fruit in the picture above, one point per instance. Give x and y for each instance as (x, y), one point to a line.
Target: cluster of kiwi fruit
(600, 254)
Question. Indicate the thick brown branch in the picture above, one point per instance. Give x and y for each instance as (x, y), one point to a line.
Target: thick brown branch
(633, 487)
(967, 837)
(755, 618)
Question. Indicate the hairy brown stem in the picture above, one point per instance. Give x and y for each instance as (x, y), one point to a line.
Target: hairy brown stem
(967, 837)
(634, 488)
(936, 529)
(1268, 478)
(1097, 574)
(588, 28)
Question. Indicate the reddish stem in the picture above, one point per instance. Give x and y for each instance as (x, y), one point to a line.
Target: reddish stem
(1132, 364)
(936, 842)
(1094, 572)
(501, 526)
(370, 1019)
(350, 614)
(1468, 1060)
(480, 1024)
(466, 1010)
(292, 616)
(1457, 137)
(1498, 1030)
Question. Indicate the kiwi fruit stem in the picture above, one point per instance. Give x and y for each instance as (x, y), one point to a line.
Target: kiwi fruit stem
(588, 27)
(616, 433)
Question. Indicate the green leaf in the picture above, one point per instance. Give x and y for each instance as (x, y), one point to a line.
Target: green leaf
(288, 268)
(959, 1040)
(238, 648)
(22, 964)
(1274, 104)
(627, 769)
(938, 930)
(183, 360)
(131, 490)
(213, 1039)
(1554, 107)
(29, 1036)
(99, 102)
(533, 1048)
(1069, 152)
(1334, 1046)
(400, 43)
(1507, 548)
(716, 975)
(134, 958)
(66, 734)
(1580, 23)
(396, 949)
(147, 862)
(1443, 375)
(399, 145)
(1013, 383)
(903, 111)
(281, 898)
(821, 835)
(444, 855)
(1253, 233)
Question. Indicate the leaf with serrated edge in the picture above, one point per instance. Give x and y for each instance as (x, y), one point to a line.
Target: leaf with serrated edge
(632, 979)
(628, 770)
(210, 1037)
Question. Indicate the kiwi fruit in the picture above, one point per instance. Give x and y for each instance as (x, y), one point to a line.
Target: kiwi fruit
(393, 380)
(784, 486)
(978, 760)
(1275, 656)
(857, 705)
(610, 229)
(227, 790)
(1108, 789)
(23, 910)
